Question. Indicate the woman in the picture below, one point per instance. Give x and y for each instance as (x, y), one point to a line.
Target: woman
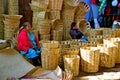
(76, 34)
(28, 44)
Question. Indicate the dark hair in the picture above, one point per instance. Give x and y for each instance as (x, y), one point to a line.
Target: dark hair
(25, 24)
(73, 24)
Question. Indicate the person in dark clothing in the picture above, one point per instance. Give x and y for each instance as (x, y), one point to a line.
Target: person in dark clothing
(75, 33)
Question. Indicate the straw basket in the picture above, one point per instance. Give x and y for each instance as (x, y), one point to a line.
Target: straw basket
(50, 58)
(90, 59)
(44, 22)
(82, 9)
(55, 4)
(72, 63)
(41, 14)
(39, 5)
(97, 39)
(83, 25)
(116, 32)
(44, 30)
(50, 44)
(44, 36)
(67, 4)
(57, 35)
(13, 17)
(107, 56)
(54, 14)
(57, 24)
(11, 23)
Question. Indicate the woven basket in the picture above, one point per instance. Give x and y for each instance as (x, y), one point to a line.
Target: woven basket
(50, 44)
(57, 24)
(44, 22)
(57, 35)
(11, 23)
(83, 25)
(38, 5)
(116, 32)
(107, 56)
(41, 14)
(72, 63)
(45, 37)
(44, 30)
(89, 59)
(54, 14)
(55, 4)
(68, 4)
(13, 17)
(117, 45)
(50, 58)
(83, 7)
(97, 39)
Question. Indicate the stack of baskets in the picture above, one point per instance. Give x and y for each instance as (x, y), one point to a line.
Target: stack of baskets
(11, 24)
(44, 28)
(89, 58)
(50, 55)
(68, 7)
(1, 26)
(1, 6)
(39, 8)
(55, 7)
(57, 30)
(13, 8)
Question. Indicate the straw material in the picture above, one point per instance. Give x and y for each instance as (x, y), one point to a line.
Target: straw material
(55, 4)
(13, 17)
(83, 25)
(89, 59)
(107, 56)
(41, 14)
(97, 39)
(67, 4)
(50, 58)
(57, 35)
(1, 6)
(50, 44)
(44, 36)
(11, 23)
(116, 32)
(117, 45)
(57, 24)
(72, 63)
(39, 5)
(54, 14)
(44, 30)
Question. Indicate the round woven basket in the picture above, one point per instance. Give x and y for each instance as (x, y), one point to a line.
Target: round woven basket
(44, 30)
(70, 3)
(55, 4)
(72, 64)
(13, 17)
(82, 8)
(83, 25)
(57, 24)
(41, 14)
(50, 58)
(107, 56)
(90, 59)
(50, 44)
(11, 23)
(39, 5)
(57, 35)
(54, 14)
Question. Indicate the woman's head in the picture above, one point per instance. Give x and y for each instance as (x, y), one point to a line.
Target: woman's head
(73, 25)
(27, 26)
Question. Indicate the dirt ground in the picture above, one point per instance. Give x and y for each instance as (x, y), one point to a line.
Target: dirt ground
(102, 74)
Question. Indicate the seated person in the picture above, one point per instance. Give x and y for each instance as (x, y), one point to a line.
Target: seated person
(75, 33)
(28, 44)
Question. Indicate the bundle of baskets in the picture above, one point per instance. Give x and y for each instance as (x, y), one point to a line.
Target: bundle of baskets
(55, 4)
(50, 55)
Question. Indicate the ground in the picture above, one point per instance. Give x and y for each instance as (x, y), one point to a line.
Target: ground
(102, 74)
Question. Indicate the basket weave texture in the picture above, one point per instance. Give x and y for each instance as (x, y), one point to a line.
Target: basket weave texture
(72, 63)
(90, 59)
